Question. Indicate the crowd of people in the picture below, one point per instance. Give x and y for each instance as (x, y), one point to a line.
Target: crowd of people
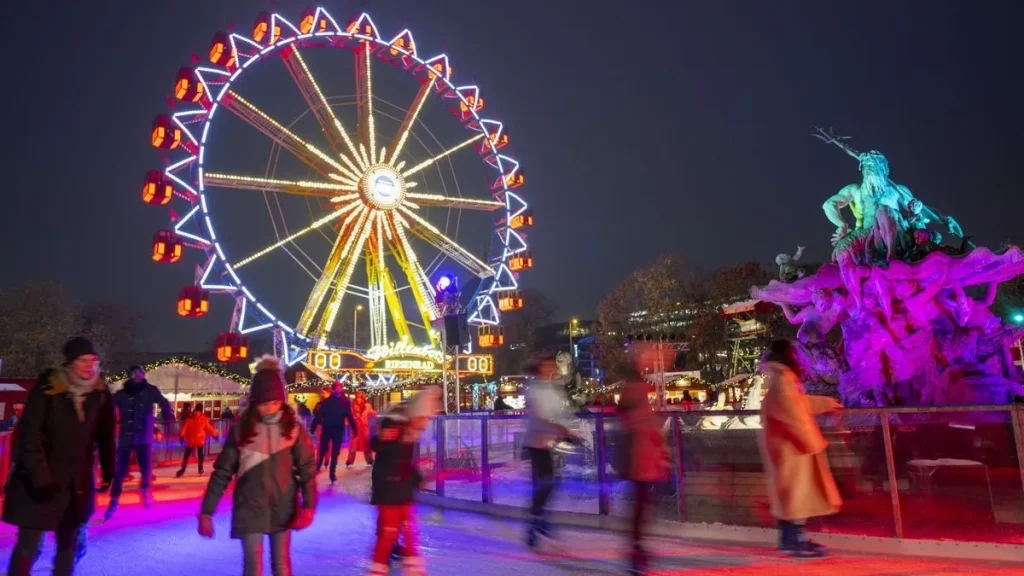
(71, 415)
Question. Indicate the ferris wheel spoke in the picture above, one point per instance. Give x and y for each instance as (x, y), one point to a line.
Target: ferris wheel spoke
(342, 246)
(316, 224)
(364, 102)
(410, 118)
(430, 161)
(440, 200)
(337, 192)
(358, 241)
(335, 132)
(428, 232)
(375, 283)
(418, 282)
(304, 151)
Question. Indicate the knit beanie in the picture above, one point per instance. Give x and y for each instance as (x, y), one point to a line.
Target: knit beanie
(76, 348)
(268, 383)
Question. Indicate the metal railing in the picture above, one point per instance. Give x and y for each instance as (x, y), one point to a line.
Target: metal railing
(930, 473)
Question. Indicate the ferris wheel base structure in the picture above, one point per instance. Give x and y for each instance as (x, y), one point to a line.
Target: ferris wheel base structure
(371, 188)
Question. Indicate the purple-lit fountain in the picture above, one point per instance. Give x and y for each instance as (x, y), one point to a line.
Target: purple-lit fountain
(913, 313)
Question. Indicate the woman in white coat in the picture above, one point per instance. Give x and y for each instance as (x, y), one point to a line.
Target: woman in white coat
(800, 483)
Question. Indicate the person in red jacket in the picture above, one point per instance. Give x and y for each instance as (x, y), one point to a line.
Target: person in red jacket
(193, 433)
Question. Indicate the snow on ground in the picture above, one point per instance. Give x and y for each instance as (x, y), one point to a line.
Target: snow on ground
(163, 541)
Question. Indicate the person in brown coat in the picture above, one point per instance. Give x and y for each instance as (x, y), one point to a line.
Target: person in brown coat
(800, 483)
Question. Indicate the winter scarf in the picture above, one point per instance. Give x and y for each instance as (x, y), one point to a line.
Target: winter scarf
(77, 390)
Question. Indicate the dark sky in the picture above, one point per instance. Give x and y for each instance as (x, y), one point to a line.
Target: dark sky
(644, 127)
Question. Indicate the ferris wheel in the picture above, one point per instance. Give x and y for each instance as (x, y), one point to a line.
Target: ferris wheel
(376, 210)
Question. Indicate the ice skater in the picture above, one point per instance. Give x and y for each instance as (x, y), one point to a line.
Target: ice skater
(270, 454)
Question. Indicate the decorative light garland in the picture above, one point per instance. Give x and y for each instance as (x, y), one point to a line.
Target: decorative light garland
(211, 369)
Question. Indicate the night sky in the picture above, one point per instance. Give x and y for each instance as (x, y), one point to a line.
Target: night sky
(643, 127)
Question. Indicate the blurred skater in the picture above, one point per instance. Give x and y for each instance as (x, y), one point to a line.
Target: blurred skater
(800, 483)
(396, 480)
(545, 411)
(362, 413)
(644, 459)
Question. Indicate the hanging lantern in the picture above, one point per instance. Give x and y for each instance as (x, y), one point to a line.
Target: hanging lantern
(490, 336)
(193, 302)
(166, 134)
(187, 87)
(231, 347)
(220, 50)
(510, 300)
(167, 246)
(514, 180)
(156, 190)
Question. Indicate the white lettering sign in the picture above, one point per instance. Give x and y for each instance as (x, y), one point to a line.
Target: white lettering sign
(404, 349)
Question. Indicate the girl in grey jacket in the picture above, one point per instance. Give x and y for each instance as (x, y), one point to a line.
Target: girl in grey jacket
(272, 456)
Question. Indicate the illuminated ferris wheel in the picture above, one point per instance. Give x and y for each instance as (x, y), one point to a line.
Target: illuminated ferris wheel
(376, 209)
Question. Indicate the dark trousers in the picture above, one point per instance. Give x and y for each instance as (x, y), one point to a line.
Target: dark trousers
(543, 466)
(333, 439)
(200, 455)
(30, 544)
(642, 493)
(280, 554)
(143, 454)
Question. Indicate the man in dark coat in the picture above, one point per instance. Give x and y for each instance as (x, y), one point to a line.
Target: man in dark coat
(68, 414)
(332, 414)
(136, 403)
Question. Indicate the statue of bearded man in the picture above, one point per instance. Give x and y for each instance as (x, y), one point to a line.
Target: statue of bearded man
(886, 214)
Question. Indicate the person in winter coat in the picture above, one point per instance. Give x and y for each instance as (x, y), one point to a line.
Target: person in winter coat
(270, 455)
(545, 412)
(135, 404)
(800, 483)
(644, 458)
(362, 412)
(333, 415)
(193, 433)
(52, 484)
(395, 481)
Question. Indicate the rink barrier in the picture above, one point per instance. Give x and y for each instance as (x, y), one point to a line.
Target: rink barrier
(931, 481)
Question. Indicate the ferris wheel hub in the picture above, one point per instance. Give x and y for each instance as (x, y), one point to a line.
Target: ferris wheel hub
(382, 187)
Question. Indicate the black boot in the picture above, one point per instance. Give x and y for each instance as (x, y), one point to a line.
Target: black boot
(805, 547)
(179, 473)
(787, 536)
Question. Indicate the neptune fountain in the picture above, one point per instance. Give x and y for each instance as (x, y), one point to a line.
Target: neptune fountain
(911, 306)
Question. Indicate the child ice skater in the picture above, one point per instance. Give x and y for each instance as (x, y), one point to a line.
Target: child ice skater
(272, 456)
(395, 481)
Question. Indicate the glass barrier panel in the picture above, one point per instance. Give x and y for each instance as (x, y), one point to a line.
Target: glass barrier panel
(461, 466)
(959, 476)
(723, 476)
(425, 456)
(510, 466)
(856, 456)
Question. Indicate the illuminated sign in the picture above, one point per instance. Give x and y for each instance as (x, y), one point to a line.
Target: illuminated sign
(411, 364)
(394, 349)
(399, 358)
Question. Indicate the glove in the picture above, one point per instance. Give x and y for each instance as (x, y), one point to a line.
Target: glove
(303, 519)
(206, 526)
(104, 487)
(46, 493)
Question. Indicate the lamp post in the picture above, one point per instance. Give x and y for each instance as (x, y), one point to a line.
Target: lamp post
(355, 322)
(573, 322)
